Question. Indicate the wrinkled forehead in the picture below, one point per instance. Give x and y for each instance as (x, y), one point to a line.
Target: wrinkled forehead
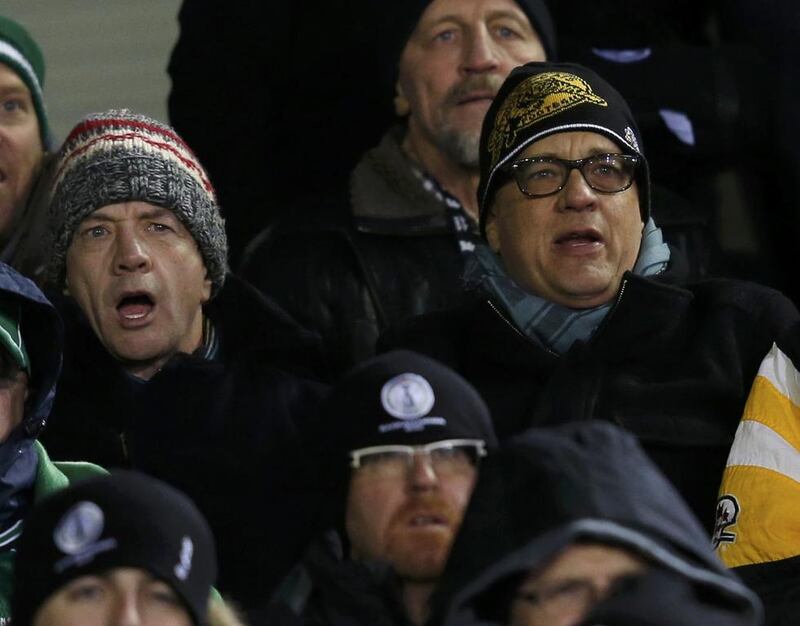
(469, 10)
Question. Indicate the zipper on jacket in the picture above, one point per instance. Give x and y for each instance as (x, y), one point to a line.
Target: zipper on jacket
(123, 439)
(517, 330)
(604, 323)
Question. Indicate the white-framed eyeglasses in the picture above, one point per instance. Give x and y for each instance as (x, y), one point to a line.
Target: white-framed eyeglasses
(447, 457)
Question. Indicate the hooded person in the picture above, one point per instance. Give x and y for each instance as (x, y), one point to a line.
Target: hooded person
(25, 147)
(31, 338)
(174, 366)
(399, 441)
(576, 307)
(574, 513)
(84, 555)
(394, 242)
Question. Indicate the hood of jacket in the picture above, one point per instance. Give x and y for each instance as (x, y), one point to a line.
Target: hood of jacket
(547, 489)
(42, 333)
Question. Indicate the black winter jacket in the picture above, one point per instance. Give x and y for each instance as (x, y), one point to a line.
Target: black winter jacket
(225, 431)
(671, 364)
(351, 275)
(326, 589)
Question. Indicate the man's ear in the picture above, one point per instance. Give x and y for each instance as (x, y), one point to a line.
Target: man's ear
(207, 288)
(491, 233)
(401, 106)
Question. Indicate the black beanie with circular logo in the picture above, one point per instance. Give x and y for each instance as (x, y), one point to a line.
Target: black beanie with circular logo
(397, 398)
(125, 519)
(403, 397)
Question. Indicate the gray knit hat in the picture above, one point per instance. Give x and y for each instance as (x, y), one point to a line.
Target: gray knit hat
(118, 156)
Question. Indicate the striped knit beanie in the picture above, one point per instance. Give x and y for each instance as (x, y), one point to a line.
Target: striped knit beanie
(118, 156)
(20, 52)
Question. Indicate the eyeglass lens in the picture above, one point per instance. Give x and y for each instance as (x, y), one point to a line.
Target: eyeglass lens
(445, 461)
(608, 173)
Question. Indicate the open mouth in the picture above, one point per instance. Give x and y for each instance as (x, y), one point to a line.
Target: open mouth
(422, 521)
(579, 237)
(135, 306)
(2, 176)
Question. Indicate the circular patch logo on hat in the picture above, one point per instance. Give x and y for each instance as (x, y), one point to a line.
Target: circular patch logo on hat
(79, 527)
(407, 396)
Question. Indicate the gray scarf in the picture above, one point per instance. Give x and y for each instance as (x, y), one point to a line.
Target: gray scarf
(557, 327)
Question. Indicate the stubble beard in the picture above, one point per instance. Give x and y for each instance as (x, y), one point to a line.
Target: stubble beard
(420, 556)
(460, 146)
(419, 559)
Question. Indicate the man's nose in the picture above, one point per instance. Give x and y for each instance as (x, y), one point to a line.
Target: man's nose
(130, 253)
(480, 53)
(126, 611)
(422, 474)
(577, 195)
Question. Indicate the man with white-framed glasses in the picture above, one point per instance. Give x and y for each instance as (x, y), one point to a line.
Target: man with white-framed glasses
(578, 308)
(400, 440)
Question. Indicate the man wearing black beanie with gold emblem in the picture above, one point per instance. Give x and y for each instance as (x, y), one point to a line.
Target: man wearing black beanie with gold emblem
(398, 443)
(579, 310)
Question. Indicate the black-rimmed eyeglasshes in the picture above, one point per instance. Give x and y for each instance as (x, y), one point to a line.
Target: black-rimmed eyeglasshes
(538, 177)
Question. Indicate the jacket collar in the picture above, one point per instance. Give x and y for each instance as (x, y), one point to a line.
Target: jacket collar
(389, 198)
(646, 311)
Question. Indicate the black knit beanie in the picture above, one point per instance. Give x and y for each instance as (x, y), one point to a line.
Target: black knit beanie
(397, 398)
(539, 99)
(387, 27)
(121, 520)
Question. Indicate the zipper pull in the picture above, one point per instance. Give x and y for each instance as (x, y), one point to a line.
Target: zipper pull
(123, 439)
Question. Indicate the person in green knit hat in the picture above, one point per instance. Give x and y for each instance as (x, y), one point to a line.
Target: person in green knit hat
(31, 339)
(25, 143)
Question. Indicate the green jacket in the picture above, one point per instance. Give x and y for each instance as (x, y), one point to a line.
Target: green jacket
(50, 478)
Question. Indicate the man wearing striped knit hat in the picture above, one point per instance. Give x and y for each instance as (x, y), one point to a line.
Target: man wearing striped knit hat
(173, 366)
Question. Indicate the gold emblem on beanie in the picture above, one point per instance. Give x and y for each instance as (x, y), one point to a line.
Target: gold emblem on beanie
(534, 99)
